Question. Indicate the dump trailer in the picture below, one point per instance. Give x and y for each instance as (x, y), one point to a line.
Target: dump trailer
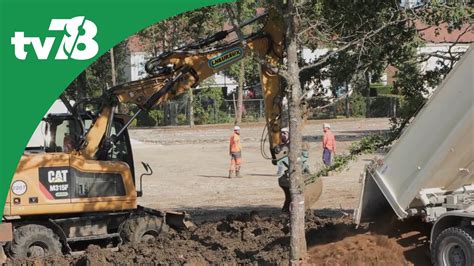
(429, 172)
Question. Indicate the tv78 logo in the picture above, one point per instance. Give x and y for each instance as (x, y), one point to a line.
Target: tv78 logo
(78, 42)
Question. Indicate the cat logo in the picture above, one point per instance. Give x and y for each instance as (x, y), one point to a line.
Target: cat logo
(226, 57)
(57, 176)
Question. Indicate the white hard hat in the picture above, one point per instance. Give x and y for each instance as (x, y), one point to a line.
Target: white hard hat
(285, 129)
(326, 125)
(236, 128)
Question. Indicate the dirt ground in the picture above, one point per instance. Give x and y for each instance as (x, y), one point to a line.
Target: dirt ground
(239, 220)
(250, 238)
(191, 167)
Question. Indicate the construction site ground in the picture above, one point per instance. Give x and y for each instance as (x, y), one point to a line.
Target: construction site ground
(191, 168)
(239, 219)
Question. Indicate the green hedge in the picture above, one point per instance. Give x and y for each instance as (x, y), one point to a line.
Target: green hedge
(383, 89)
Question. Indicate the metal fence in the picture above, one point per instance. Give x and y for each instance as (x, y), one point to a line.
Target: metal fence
(253, 109)
(205, 112)
(379, 106)
(210, 112)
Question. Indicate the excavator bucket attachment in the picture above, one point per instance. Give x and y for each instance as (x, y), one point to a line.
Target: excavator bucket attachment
(312, 191)
(179, 220)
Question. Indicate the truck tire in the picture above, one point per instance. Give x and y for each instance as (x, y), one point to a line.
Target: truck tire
(34, 240)
(141, 229)
(453, 246)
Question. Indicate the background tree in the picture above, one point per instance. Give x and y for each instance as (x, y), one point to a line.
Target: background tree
(98, 76)
(246, 71)
(180, 30)
(360, 38)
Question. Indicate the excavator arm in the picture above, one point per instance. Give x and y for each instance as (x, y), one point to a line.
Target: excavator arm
(175, 72)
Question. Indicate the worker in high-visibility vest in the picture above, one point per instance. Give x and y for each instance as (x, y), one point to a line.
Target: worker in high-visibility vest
(329, 144)
(235, 151)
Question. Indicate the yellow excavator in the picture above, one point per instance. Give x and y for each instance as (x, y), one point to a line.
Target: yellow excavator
(82, 186)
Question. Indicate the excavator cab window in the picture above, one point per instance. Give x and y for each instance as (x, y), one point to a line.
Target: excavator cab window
(62, 133)
(91, 185)
(119, 150)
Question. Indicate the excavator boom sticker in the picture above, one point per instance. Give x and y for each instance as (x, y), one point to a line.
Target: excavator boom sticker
(226, 57)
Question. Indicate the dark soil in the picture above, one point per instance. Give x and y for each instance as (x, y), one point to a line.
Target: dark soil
(248, 239)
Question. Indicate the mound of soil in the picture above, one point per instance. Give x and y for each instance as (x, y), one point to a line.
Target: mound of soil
(246, 239)
(359, 250)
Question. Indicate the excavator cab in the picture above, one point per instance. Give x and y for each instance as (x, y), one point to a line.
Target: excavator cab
(64, 133)
(55, 179)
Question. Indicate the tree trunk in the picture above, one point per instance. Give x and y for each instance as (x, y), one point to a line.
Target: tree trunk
(347, 101)
(240, 93)
(297, 210)
(173, 34)
(122, 107)
(235, 107)
(190, 108)
(82, 86)
(112, 66)
(367, 101)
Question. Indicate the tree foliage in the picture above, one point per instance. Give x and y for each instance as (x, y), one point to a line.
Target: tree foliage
(181, 29)
(207, 106)
(98, 76)
(245, 10)
(363, 38)
(359, 37)
(366, 37)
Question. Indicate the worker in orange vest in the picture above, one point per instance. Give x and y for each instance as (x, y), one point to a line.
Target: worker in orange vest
(329, 144)
(235, 151)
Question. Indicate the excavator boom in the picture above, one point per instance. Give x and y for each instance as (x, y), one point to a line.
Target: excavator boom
(173, 73)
